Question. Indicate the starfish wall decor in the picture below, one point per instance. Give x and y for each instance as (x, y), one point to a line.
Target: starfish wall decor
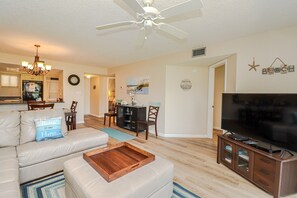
(253, 66)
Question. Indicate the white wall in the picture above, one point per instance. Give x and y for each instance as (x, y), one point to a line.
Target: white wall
(70, 92)
(155, 70)
(265, 47)
(230, 74)
(186, 111)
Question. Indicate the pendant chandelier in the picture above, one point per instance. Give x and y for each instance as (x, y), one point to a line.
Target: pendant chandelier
(38, 67)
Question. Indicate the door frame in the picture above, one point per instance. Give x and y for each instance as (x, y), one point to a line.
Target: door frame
(107, 99)
(211, 83)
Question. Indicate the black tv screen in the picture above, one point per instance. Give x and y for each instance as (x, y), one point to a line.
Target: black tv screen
(271, 118)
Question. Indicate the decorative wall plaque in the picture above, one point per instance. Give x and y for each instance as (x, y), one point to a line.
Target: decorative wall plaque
(186, 84)
(281, 69)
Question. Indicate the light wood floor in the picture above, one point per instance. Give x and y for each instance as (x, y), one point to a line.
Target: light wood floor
(195, 164)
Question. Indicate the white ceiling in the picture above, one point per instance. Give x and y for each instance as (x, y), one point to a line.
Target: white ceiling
(65, 29)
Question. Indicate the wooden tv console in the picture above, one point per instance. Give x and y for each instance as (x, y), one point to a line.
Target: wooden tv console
(268, 171)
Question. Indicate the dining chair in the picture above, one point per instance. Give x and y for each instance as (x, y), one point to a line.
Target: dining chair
(70, 118)
(41, 106)
(111, 114)
(152, 120)
(73, 106)
(30, 102)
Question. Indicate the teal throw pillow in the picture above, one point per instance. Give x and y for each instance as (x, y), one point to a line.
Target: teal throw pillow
(49, 128)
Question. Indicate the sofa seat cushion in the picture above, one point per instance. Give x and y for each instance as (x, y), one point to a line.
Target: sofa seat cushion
(28, 128)
(9, 128)
(76, 141)
(9, 170)
(10, 189)
(7, 153)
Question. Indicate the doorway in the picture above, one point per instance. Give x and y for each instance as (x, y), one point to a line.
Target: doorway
(219, 89)
(217, 86)
(99, 94)
(111, 93)
(95, 96)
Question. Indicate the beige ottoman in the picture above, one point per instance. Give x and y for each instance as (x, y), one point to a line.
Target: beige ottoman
(152, 180)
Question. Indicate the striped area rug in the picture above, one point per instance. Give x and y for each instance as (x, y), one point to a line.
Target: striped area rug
(54, 187)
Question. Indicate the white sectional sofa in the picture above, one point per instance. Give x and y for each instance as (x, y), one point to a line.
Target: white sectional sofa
(9, 173)
(23, 159)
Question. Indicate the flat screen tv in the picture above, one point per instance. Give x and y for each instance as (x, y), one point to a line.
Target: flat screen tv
(270, 118)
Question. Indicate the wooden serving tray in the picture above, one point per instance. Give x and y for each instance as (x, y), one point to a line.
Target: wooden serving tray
(116, 161)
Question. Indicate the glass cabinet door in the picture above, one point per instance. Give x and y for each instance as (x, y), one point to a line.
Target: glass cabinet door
(243, 161)
(120, 116)
(227, 154)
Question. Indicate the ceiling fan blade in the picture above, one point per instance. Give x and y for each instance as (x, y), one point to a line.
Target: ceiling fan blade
(134, 5)
(112, 25)
(181, 8)
(169, 29)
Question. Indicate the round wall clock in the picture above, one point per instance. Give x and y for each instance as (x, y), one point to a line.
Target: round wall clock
(73, 79)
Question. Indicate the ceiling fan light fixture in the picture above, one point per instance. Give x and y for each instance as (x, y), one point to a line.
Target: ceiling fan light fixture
(148, 24)
(151, 12)
(148, 2)
(149, 17)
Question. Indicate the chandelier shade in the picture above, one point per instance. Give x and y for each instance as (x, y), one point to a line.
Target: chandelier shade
(38, 67)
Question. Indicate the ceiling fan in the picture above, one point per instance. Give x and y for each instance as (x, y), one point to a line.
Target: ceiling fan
(149, 17)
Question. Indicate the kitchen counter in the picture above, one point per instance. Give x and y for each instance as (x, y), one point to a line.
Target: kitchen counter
(17, 102)
(11, 105)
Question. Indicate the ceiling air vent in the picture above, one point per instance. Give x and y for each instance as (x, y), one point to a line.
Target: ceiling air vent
(198, 52)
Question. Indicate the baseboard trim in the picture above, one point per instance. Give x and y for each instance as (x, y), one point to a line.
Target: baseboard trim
(184, 135)
(98, 116)
(217, 128)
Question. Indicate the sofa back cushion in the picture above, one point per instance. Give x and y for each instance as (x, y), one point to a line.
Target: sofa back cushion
(28, 128)
(9, 128)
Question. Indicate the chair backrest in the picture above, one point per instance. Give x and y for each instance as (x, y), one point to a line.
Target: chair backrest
(41, 106)
(30, 102)
(116, 104)
(73, 106)
(153, 113)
